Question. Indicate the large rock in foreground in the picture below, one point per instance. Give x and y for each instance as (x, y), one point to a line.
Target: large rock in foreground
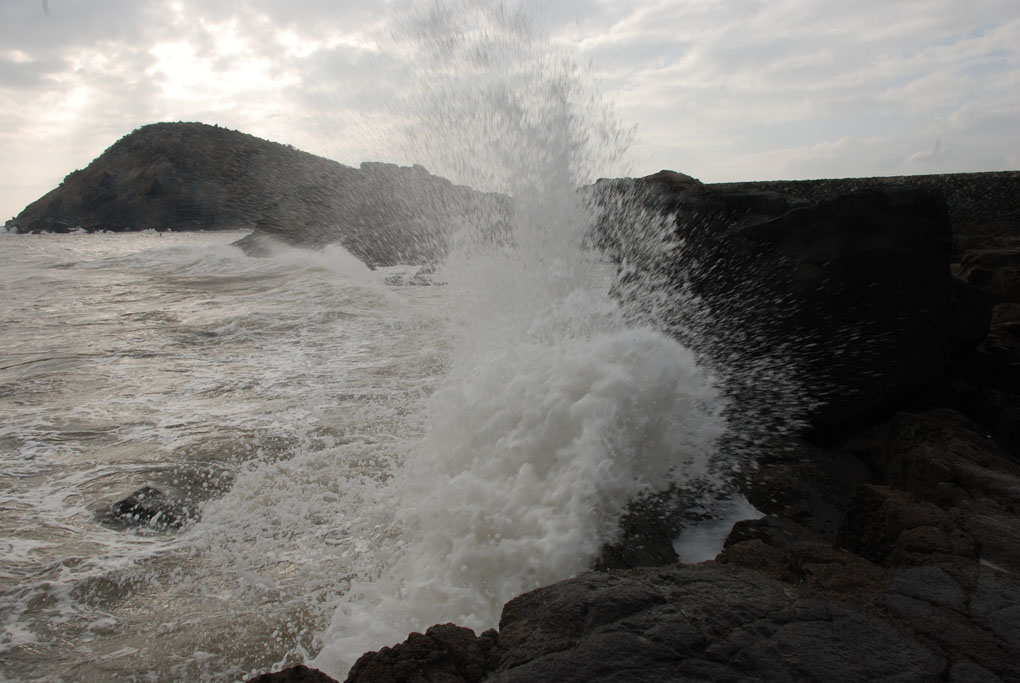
(919, 582)
(190, 176)
(687, 624)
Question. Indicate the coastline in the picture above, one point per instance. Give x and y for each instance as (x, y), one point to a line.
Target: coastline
(887, 549)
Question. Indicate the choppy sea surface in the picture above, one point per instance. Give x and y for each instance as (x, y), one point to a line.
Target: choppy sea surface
(364, 457)
(174, 360)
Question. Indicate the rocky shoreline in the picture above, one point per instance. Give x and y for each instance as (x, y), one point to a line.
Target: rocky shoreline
(890, 545)
(867, 331)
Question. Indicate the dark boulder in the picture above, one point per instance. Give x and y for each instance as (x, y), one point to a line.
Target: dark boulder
(962, 482)
(151, 507)
(802, 485)
(963, 611)
(996, 271)
(986, 379)
(970, 318)
(294, 674)
(885, 525)
(687, 623)
(444, 653)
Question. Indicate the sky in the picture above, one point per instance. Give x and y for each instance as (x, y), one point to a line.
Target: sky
(718, 89)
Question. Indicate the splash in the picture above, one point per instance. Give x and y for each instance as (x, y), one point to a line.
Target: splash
(556, 410)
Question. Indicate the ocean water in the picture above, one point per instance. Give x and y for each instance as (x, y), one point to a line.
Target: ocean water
(176, 361)
(366, 458)
(363, 458)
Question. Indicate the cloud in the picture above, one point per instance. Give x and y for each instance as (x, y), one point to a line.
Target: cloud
(927, 157)
(723, 89)
(753, 89)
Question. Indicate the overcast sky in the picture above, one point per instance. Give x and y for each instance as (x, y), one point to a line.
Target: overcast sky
(719, 89)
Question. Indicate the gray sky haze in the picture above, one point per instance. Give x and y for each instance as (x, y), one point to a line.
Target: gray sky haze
(719, 89)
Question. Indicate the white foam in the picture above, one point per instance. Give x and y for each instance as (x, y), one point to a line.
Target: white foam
(528, 464)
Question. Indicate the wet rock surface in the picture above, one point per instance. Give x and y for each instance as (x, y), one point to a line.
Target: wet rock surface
(847, 301)
(889, 549)
(918, 581)
(153, 508)
(294, 674)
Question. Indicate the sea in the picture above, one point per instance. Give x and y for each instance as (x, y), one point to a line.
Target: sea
(364, 453)
(354, 454)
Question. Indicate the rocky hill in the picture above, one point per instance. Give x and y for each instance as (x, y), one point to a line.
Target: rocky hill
(192, 176)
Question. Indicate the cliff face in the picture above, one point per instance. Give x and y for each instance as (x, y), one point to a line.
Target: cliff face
(191, 176)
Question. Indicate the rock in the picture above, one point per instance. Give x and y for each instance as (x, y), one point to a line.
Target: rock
(999, 413)
(887, 526)
(1006, 314)
(986, 383)
(817, 567)
(995, 271)
(295, 674)
(984, 207)
(148, 506)
(957, 609)
(444, 653)
(774, 530)
(703, 623)
(846, 300)
(970, 318)
(804, 486)
(969, 613)
(942, 464)
(941, 456)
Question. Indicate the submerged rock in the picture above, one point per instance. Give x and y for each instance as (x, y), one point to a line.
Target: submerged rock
(151, 507)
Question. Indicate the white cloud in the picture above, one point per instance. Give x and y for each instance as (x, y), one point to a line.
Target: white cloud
(721, 89)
